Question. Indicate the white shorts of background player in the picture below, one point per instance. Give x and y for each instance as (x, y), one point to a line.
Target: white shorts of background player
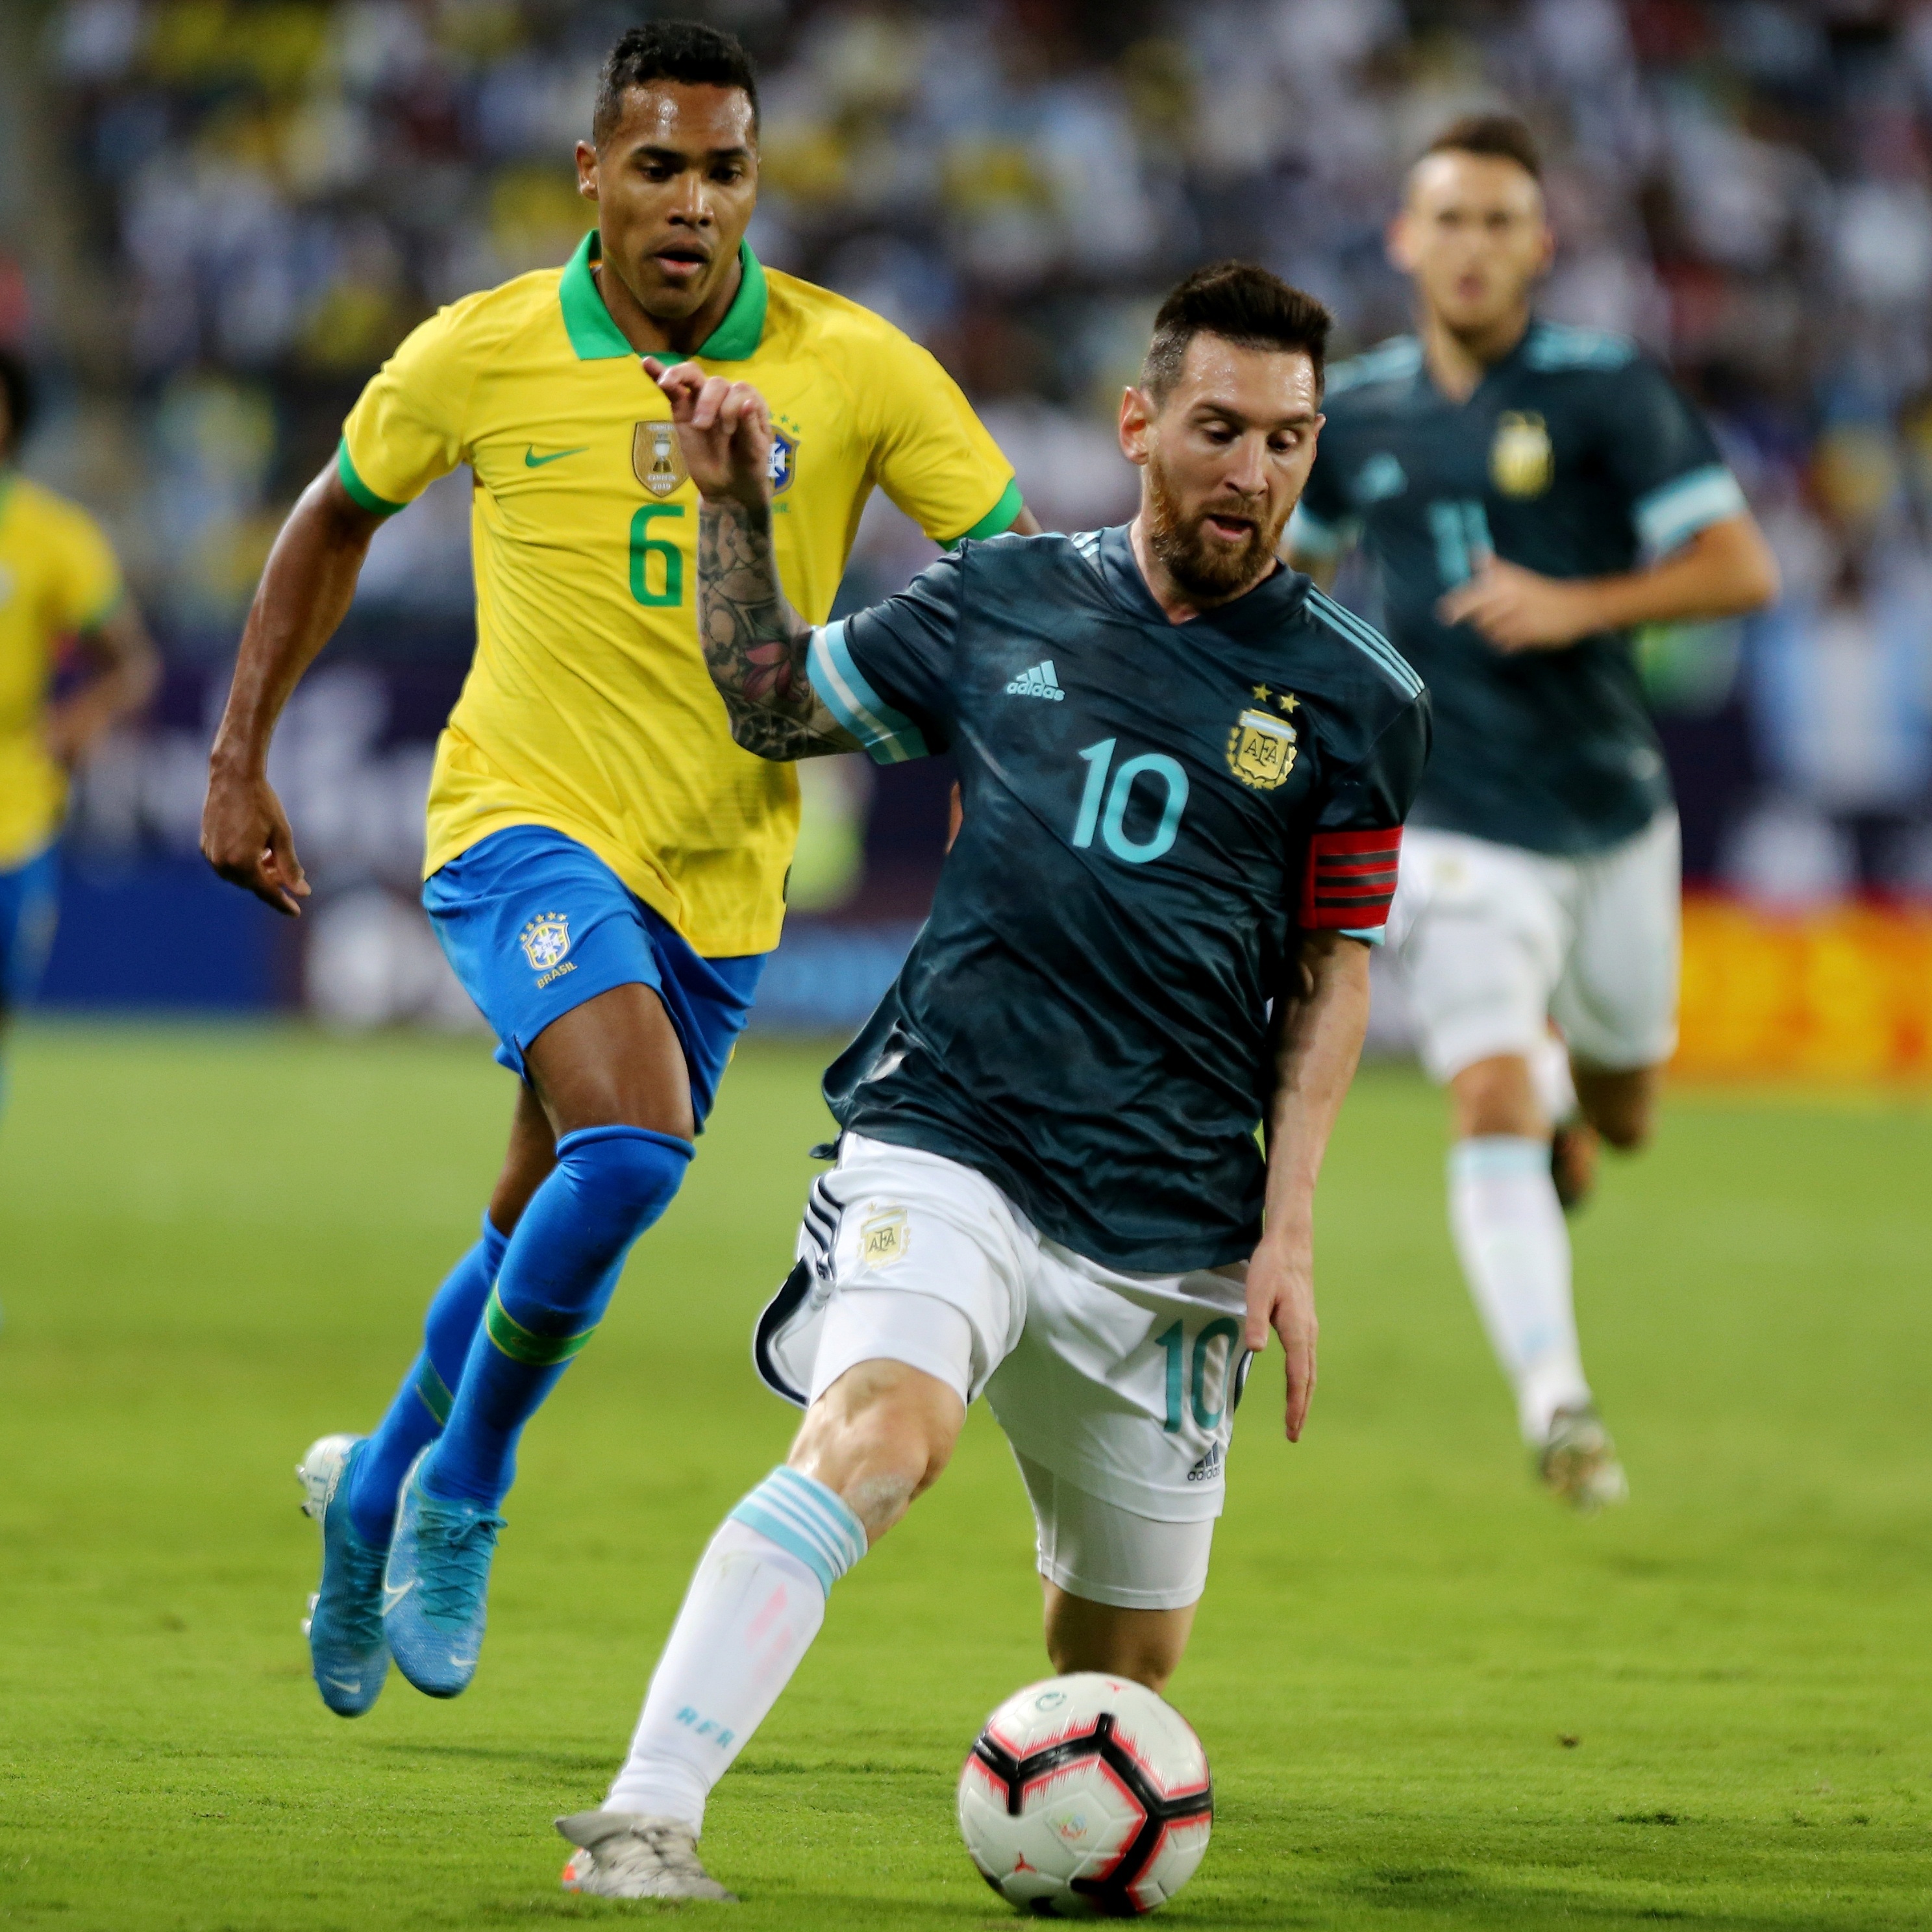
(1492, 941)
(1117, 1391)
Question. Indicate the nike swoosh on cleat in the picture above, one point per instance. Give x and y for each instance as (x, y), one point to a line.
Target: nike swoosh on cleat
(391, 1596)
(352, 1685)
(532, 460)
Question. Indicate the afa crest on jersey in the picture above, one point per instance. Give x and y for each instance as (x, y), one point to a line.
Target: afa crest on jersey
(545, 941)
(883, 1237)
(657, 458)
(1261, 749)
(1521, 462)
(785, 461)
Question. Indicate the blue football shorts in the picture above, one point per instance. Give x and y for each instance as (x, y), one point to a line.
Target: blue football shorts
(535, 924)
(29, 905)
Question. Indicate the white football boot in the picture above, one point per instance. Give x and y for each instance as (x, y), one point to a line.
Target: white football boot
(1578, 1463)
(624, 1855)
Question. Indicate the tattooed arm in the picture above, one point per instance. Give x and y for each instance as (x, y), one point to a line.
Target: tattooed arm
(754, 643)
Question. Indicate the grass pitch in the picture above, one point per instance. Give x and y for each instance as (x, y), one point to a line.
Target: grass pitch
(1431, 1699)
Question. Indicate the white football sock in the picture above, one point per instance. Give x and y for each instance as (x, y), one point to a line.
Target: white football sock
(750, 1615)
(1515, 1251)
(1550, 1079)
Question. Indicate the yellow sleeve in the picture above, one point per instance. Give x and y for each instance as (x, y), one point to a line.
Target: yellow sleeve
(406, 428)
(934, 457)
(88, 581)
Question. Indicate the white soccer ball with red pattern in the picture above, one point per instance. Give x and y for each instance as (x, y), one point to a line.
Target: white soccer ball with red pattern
(1087, 1796)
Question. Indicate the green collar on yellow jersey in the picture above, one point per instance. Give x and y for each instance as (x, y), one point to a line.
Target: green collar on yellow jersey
(597, 338)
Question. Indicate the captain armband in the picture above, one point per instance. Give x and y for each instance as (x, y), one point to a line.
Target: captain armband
(1350, 880)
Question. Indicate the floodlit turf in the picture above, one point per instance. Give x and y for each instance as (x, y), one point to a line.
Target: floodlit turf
(1430, 1699)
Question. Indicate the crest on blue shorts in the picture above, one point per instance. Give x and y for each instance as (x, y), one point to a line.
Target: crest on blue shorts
(545, 939)
(785, 461)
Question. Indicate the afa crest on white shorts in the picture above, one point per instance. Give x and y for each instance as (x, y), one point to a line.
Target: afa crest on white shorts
(884, 1237)
(545, 939)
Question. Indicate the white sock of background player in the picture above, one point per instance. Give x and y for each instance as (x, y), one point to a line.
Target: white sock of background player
(1515, 1251)
(1549, 1077)
(753, 1608)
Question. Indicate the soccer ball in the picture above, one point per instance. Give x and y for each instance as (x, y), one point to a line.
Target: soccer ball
(1086, 1797)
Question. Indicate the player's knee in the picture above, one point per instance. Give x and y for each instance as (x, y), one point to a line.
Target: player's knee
(879, 1436)
(629, 1174)
(1496, 1096)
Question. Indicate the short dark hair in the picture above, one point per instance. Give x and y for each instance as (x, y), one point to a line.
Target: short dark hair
(18, 384)
(1503, 137)
(1242, 304)
(685, 50)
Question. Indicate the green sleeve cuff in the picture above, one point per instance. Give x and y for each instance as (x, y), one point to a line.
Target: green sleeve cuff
(377, 506)
(97, 618)
(998, 518)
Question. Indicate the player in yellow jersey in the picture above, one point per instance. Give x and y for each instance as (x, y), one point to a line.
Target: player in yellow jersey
(605, 867)
(57, 580)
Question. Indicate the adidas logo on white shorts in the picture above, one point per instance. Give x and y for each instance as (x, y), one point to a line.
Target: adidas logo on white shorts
(1038, 683)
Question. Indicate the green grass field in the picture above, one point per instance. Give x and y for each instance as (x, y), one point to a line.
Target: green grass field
(1431, 1699)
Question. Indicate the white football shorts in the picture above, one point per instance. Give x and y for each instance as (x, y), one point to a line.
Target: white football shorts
(1493, 941)
(1117, 1391)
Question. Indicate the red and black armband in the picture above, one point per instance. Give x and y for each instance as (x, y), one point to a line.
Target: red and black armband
(1350, 879)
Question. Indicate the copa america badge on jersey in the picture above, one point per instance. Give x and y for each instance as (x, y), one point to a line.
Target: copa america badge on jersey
(545, 941)
(1521, 462)
(657, 458)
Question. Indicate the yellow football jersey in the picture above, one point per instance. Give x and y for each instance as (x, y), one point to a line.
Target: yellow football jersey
(57, 576)
(588, 707)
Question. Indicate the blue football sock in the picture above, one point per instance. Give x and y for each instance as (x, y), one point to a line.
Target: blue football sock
(422, 1404)
(562, 1267)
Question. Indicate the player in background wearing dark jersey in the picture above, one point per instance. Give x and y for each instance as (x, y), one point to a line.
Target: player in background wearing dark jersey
(1528, 494)
(1185, 774)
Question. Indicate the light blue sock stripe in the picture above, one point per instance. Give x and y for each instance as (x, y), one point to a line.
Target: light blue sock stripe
(1490, 1154)
(787, 1539)
(808, 1521)
(828, 1508)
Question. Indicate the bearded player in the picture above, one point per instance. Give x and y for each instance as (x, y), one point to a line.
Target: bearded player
(1528, 494)
(1185, 772)
(604, 867)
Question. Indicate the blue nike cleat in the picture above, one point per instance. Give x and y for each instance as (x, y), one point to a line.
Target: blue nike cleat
(346, 1648)
(434, 1588)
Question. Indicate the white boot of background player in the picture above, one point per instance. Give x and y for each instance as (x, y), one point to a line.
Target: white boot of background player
(1514, 1246)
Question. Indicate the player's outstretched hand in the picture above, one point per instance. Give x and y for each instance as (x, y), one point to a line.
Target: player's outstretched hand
(1281, 1296)
(245, 837)
(1517, 609)
(724, 428)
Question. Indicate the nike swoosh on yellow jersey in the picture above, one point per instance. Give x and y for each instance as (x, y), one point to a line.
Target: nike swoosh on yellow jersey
(532, 460)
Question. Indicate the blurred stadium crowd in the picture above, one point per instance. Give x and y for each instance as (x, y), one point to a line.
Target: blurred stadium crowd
(254, 200)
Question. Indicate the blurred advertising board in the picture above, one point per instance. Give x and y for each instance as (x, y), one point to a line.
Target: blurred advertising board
(1841, 993)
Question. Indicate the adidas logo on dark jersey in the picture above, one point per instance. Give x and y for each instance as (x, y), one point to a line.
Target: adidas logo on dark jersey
(1038, 683)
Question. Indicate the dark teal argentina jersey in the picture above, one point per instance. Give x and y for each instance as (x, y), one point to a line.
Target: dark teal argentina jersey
(1576, 457)
(1152, 811)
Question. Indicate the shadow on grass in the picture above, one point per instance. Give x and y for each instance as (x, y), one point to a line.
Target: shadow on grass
(518, 1754)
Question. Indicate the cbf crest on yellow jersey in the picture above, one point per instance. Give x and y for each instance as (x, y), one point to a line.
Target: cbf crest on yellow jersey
(588, 708)
(58, 576)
